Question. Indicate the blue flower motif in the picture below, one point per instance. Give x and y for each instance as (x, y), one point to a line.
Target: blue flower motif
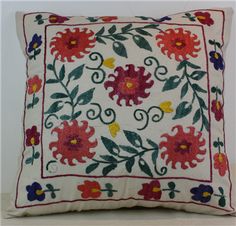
(35, 43)
(163, 19)
(202, 193)
(217, 60)
(35, 192)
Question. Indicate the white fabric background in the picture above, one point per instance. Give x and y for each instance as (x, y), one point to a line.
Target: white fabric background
(13, 66)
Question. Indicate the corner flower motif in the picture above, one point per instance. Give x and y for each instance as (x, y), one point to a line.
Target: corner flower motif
(108, 18)
(217, 109)
(183, 147)
(151, 190)
(53, 19)
(35, 192)
(129, 85)
(73, 142)
(202, 193)
(204, 18)
(178, 42)
(34, 45)
(217, 60)
(32, 136)
(72, 43)
(34, 84)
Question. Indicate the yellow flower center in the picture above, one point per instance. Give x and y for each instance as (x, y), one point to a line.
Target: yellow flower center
(183, 146)
(156, 189)
(34, 87)
(179, 43)
(39, 192)
(129, 85)
(94, 190)
(32, 141)
(216, 55)
(109, 62)
(114, 128)
(53, 18)
(220, 158)
(218, 105)
(166, 107)
(206, 194)
(35, 45)
(73, 141)
(201, 17)
(73, 42)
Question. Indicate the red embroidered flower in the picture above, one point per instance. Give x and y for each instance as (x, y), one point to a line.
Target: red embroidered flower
(34, 84)
(72, 43)
(108, 18)
(204, 18)
(183, 147)
(151, 190)
(217, 109)
(178, 42)
(57, 19)
(220, 163)
(32, 136)
(73, 142)
(129, 85)
(90, 189)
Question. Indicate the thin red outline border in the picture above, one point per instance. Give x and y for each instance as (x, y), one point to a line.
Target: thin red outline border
(126, 176)
(62, 201)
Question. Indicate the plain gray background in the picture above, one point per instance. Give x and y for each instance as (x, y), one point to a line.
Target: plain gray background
(13, 66)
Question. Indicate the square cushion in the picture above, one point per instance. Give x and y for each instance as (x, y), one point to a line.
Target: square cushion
(123, 112)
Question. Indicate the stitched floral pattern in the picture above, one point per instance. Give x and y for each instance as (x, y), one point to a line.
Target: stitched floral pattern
(127, 109)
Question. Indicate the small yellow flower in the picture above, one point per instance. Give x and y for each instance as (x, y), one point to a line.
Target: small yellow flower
(109, 62)
(166, 106)
(114, 128)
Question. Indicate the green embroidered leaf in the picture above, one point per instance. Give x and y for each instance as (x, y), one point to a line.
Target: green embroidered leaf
(144, 167)
(202, 103)
(36, 155)
(50, 67)
(197, 116)
(53, 195)
(111, 146)
(211, 42)
(52, 81)
(100, 40)
(128, 149)
(197, 75)
(50, 187)
(28, 161)
(35, 100)
(198, 88)
(126, 28)
(154, 157)
(40, 22)
(29, 105)
(65, 117)
(184, 90)
(76, 73)
(62, 73)
(143, 17)
(171, 185)
(221, 190)
(108, 169)
(55, 107)
(74, 92)
(172, 195)
(185, 63)
(108, 186)
(152, 143)
(182, 110)
(85, 97)
(100, 32)
(112, 29)
(141, 42)
(154, 26)
(76, 115)
(222, 201)
(38, 17)
(129, 164)
(91, 167)
(109, 158)
(205, 122)
(119, 37)
(194, 66)
(142, 32)
(216, 144)
(119, 49)
(171, 83)
(133, 138)
(37, 52)
(59, 95)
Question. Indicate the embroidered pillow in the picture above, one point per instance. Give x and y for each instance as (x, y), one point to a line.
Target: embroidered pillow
(123, 112)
